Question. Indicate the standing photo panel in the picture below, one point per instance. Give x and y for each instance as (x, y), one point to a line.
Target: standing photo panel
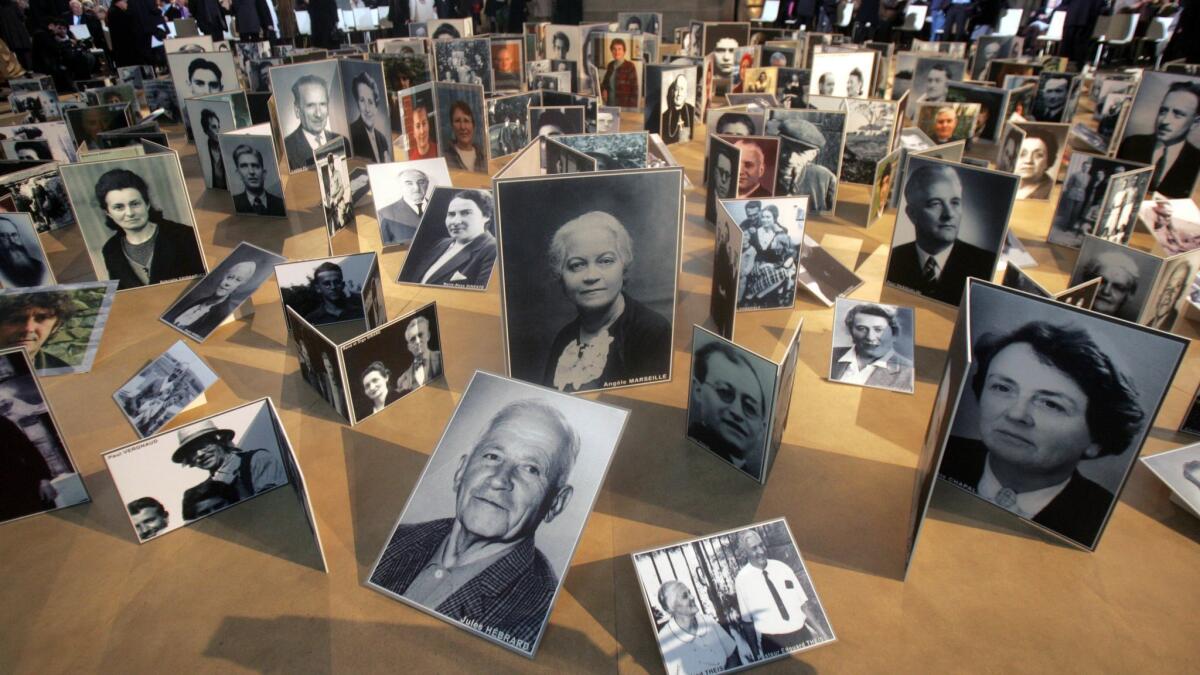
(327, 290)
(401, 192)
(873, 345)
(255, 183)
(455, 243)
(215, 298)
(310, 107)
(390, 362)
(462, 126)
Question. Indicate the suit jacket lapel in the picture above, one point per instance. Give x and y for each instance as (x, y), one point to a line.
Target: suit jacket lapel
(476, 596)
(447, 271)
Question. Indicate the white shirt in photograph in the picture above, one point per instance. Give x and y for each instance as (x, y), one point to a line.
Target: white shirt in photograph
(688, 654)
(756, 603)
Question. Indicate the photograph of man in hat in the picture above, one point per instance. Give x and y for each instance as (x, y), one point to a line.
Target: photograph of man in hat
(800, 173)
(247, 472)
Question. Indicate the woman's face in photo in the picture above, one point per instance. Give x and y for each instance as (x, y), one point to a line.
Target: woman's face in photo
(593, 274)
(464, 127)
(1032, 160)
(464, 220)
(420, 128)
(375, 385)
(127, 208)
(767, 219)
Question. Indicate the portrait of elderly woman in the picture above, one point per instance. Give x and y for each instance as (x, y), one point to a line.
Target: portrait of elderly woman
(1036, 163)
(614, 339)
(144, 247)
(589, 278)
(1049, 394)
(457, 249)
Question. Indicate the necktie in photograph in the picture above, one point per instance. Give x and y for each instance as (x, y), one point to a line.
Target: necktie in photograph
(1160, 167)
(929, 273)
(259, 207)
(775, 594)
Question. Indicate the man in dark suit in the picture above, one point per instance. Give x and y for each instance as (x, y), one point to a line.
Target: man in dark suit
(366, 139)
(25, 487)
(255, 198)
(1176, 162)
(481, 566)
(728, 407)
(751, 173)
(1049, 397)
(398, 222)
(310, 98)
(872, 360)
(937, 263)
(427, 363)
(463, 259)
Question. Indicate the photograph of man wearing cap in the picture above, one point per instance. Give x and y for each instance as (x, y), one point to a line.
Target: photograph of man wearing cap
(799, 173)
(245, 472)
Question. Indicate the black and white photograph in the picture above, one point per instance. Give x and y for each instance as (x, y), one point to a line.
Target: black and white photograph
(508, 122)
(37, 106)
(946, 122)
(1056, 410)
(173, 479)
(640, 22)
(1179, 469)
(87, 123)
(311, 109)
(455, 243)
(1050, 103)
(462, 124)
(366, 100)
(722, 167)
(1082, 196)
(988, 47)
(522, 537)
(772, 231)
(1162, 131)
(255, 184)
(333, 181)
(721, 39)
(1009, 147)
(464, 61)
(1175, 223)
(791, 87)
(846, 74)
(732, 600)
(1191, 419)
(136, 219)
(319, 363)
(257, 79)
(38, 192)
(675, 116)
(507, 60)
(555, 120)
(1165, 305)
(23, 262)
(759, 164)
(201, 74)
(931, 77)
(950, 225)
(993, 102)
(401, 192)
(167, 385)
(194, 44)
(326, 290)
(1119, 209)
(730, 121)
(727, 256)
(608, 120)
(873, 345)
(56, 134)
(555, 80)
(1015, 277)
(1038, 158)
(392, 361)
(449, 29)
(209, 118)
(1127, 276)
(117, 93)
(560, 158)
(215, 298)
(869, 128)
(58, 326)
(810, 154)
(39, 474)
(611, 151)
(589, 279)
(160, 95)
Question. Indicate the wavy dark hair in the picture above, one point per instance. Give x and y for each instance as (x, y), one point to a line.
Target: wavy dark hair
(123, 179)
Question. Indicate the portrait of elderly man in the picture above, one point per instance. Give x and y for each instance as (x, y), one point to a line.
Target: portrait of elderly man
(1175, 159)
(937, 263)
(481, 566)
(366, 138)
(1164, 308)
(21, 265)
(244, 473)
(398, 221)
(728, 409)
(872, 360)
(677, 123)
(30, 319)
(799, 174)
(149, 517)
(1049, 397)
(338, 300)
(1120, 277)
(752, 172)
(427, 363)
(200, 316)
(1051, 101)
(310, 102)
(772, 602)
(255, 198)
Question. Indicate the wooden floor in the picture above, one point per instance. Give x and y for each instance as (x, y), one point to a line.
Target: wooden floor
(242, 591)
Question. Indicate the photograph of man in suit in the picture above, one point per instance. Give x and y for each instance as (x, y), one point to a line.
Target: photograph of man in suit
(465, 257)
(365, 138)
(256, 198)
(1049, 397)
(310, 100)
(427, 363)
(752, 171)
(398, 222)
(1051, 100)
(482, 566)
(872, 359)
(728, 407)
(1176, 161)
(937, 263)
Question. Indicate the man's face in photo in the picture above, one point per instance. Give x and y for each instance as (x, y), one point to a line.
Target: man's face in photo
(827, 84)
(723, 59)
(416, 336)
(756, 551)
(1055, 93)
(505, 487)
(312, 107)
(1176, 116)
(935, 85)
(504, 60)
(366, 104)
(1033, 415)
(680, 92)
(250, 169)
(560, 46)
(936, 211)
(29, 327)
(723, 175)
(730, 401)
(330, 285)
(12, 247)
(209, 456)
(1116, 285)
(943, 125)
(413, 186)
(752, 168)
(1173, 289)
(872, 335)
(149, 522)
(204, 82)
(753, 211)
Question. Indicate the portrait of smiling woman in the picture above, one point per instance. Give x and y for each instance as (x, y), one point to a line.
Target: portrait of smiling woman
(460, 107)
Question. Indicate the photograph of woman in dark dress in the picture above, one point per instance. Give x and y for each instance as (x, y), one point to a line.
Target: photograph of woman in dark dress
(614, 340)
(145, 248)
